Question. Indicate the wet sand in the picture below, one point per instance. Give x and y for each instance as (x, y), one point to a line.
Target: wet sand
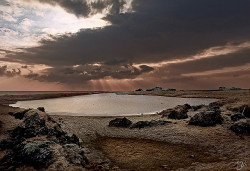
(167, 147)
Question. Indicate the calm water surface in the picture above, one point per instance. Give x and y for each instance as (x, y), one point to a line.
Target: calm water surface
(109, 104)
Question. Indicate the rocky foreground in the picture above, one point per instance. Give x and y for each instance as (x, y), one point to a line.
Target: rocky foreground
(38, 142)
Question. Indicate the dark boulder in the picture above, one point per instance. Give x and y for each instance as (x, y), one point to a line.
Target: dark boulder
(120, 122)
(42, 109)
(1, 124)
(207, 118)
(19, 115)
(179, 112)
(187, 106)
(152, 123)
(237, 116)
(140, 124)
(158, 122)
(240, 128)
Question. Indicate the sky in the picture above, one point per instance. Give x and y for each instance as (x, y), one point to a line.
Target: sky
(120, 45)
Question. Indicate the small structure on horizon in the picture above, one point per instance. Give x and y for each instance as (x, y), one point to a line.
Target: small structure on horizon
(222, 88)
(139, 89)
(235, 88)
(171, 89)
(155, 89)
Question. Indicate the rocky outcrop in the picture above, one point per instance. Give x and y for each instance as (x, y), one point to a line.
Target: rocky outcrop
(152, 123)
(179, 112)
(19, 115)
(237, 116)
(206, 118)
(120, 122)
(240, 128)
(42, 109)
(32, 143)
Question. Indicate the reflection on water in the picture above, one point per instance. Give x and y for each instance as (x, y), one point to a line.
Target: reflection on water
(109, 104)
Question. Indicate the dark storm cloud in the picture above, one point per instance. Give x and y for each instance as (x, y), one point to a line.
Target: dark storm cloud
(9, 73)
(229, 60)
(158, 30)
(83, 73)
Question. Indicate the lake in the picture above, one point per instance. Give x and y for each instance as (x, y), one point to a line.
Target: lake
(109, 104)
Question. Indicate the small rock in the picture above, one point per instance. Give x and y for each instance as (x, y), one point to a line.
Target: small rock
(120, 122)
(42, 109)
(143, 124)
(191, 156)
(240, 128)
(237, 116)
(140, 124)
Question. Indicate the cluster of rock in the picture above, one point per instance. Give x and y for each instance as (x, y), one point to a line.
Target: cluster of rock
(126, 123)
(207, 118)
(179, 112)
(240, 126)
(36, 141)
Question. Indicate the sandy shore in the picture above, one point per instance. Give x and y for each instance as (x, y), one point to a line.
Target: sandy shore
(168, 147)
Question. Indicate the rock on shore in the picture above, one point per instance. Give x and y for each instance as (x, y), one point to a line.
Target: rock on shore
(120, 122)
(206, 118)
(39, 142)
(179, 112)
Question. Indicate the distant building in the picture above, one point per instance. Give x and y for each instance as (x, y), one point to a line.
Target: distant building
(155, 89)
(234, 88)
(222, 88)
(139, 89)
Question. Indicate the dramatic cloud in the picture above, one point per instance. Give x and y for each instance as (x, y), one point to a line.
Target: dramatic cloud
(162, 41)
(82, 73)
(83, 8)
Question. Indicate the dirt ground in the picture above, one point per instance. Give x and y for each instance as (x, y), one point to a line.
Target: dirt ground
(175, 146)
